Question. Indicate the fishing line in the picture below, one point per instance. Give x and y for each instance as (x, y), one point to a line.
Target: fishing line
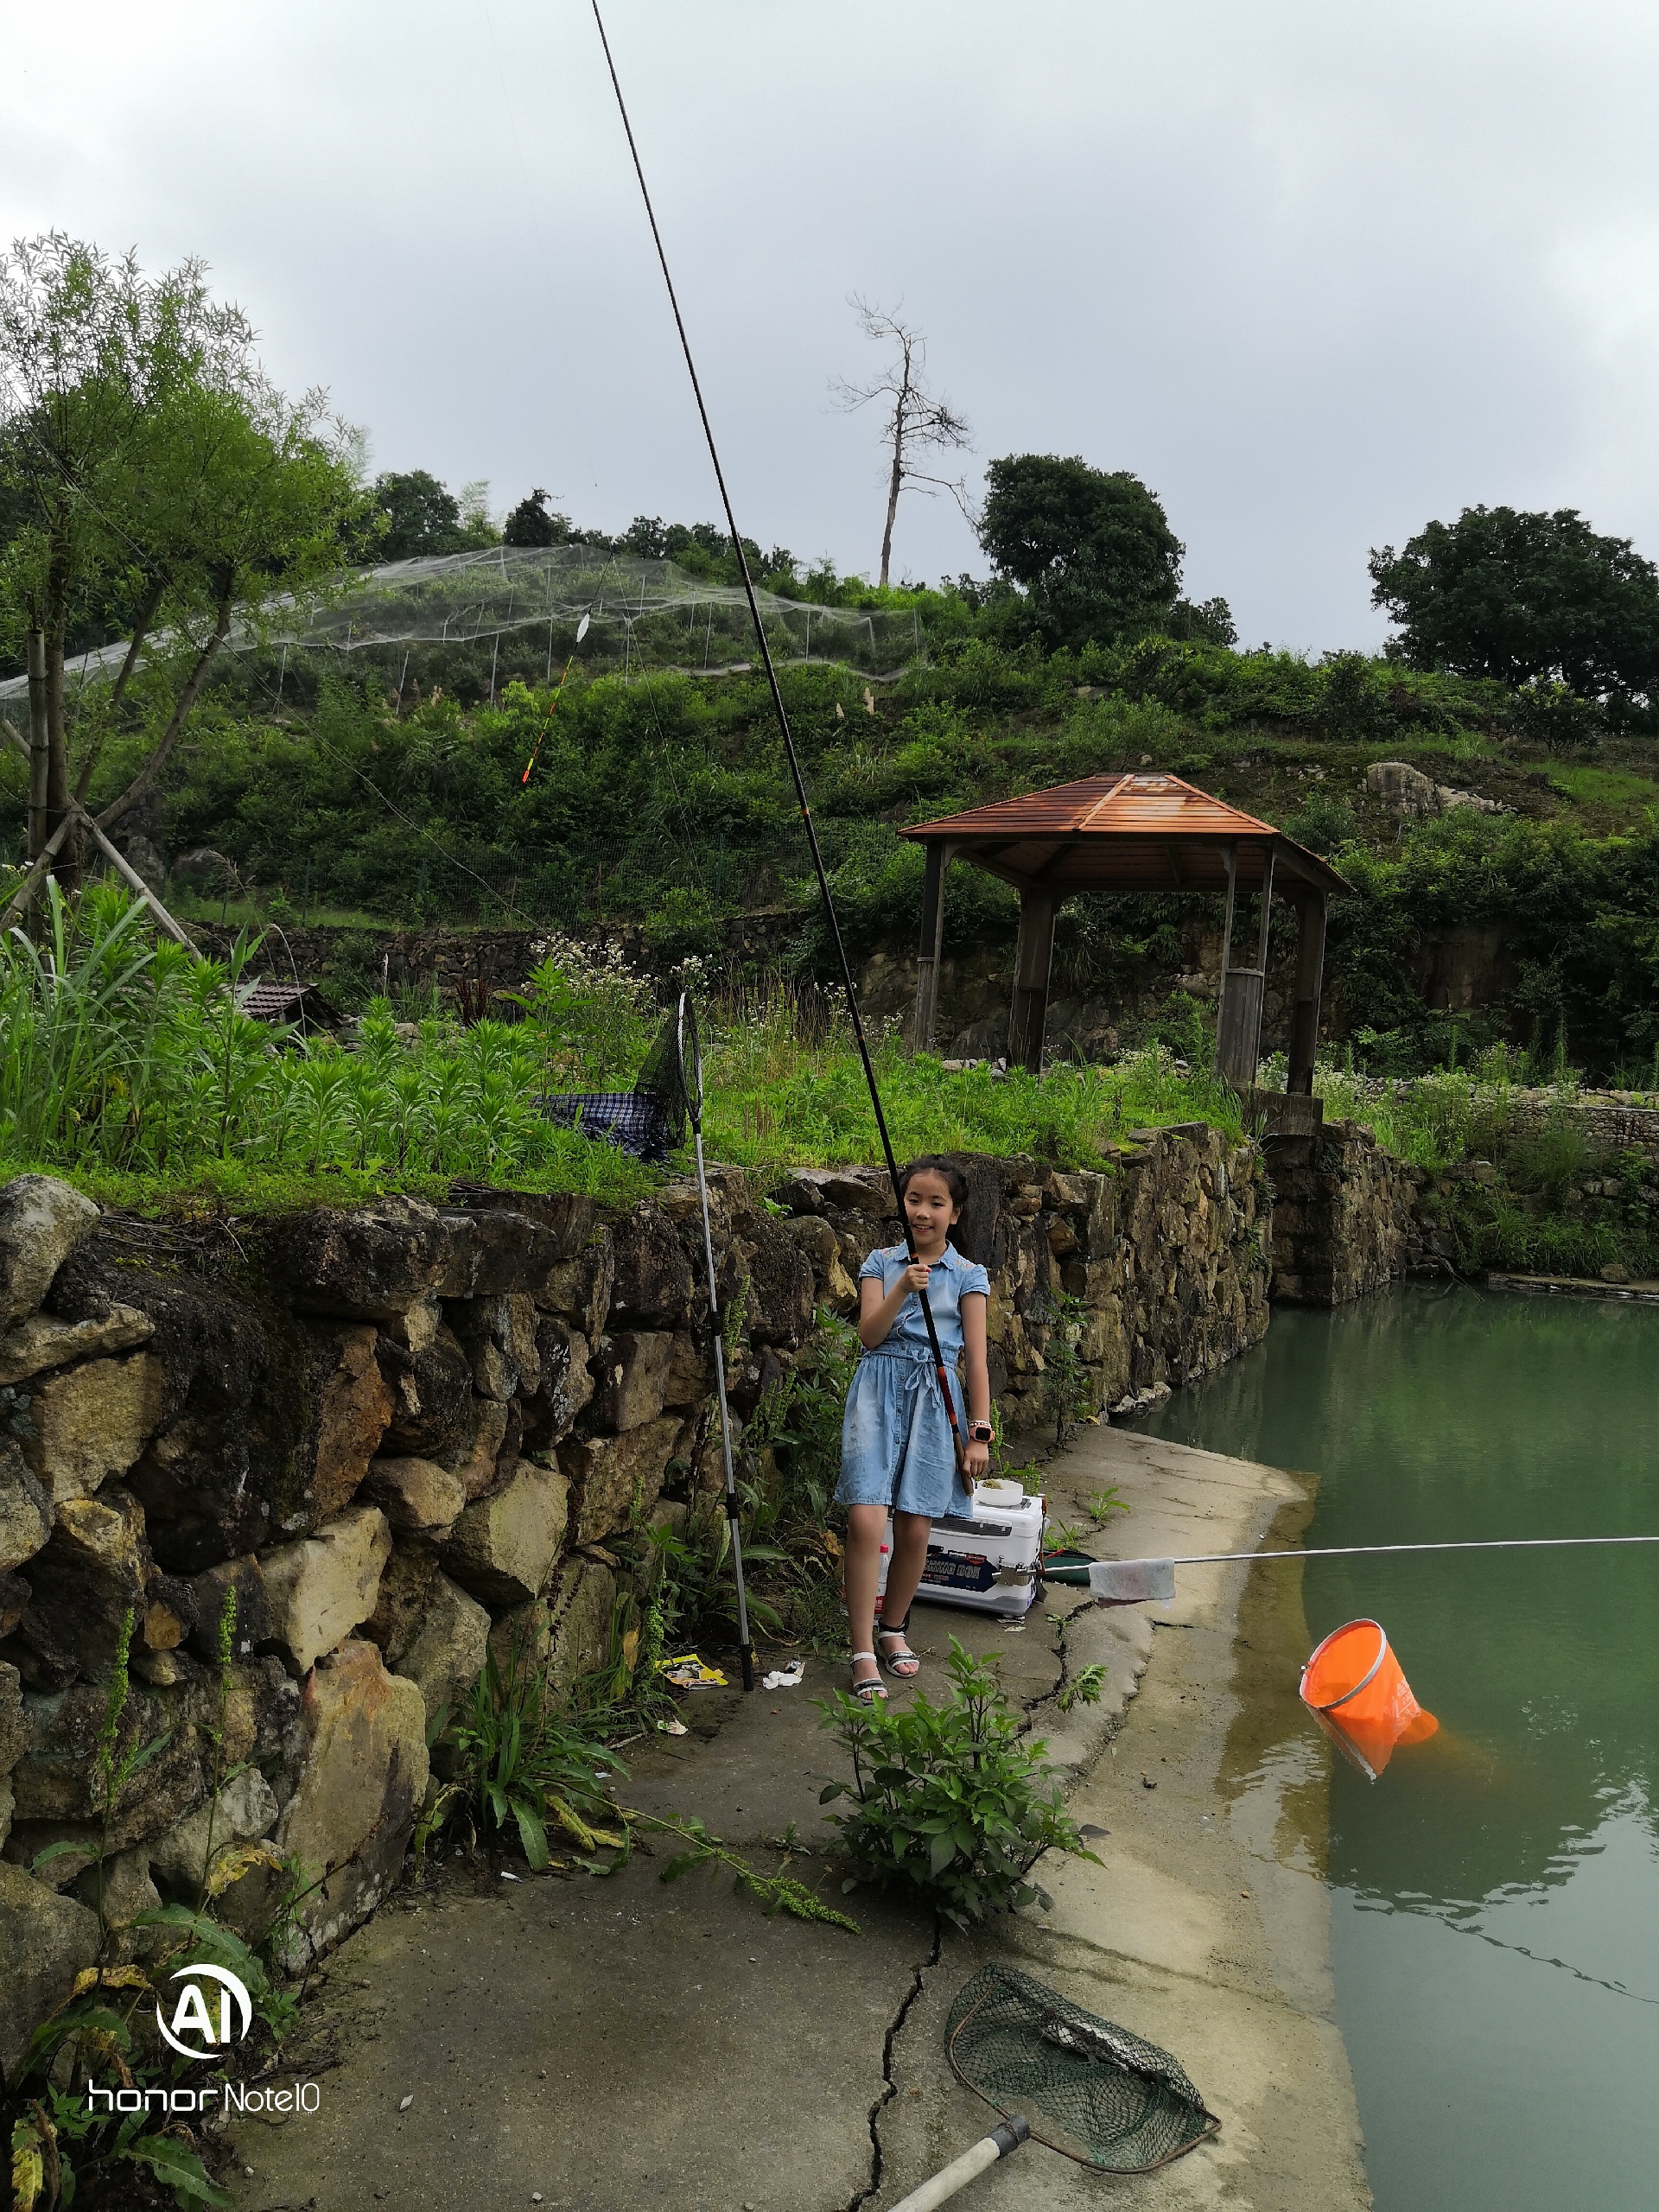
(1369, 1551)
(782, 716)
(1138, 1581)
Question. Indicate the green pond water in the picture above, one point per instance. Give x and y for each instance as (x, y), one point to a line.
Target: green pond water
(1495, 1893)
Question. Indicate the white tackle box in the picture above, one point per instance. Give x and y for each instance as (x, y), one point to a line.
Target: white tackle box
(986, 1562)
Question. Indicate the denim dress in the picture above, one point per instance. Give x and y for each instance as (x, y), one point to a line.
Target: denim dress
(895, 1441)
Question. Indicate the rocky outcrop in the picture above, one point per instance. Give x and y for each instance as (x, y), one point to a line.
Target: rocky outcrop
(447, 1656)
(505, 1546)
(25, 1509)
(362, 1775)
(1407, 792)
(91, 1421)
(42, 1220)
(320, 1588)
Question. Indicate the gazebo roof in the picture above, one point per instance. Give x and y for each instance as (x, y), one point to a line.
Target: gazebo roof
(1134, 830)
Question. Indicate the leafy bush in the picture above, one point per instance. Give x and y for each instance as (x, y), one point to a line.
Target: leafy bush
(951, 1803)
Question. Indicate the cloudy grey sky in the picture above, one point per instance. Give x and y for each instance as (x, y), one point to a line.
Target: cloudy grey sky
(1316, 272)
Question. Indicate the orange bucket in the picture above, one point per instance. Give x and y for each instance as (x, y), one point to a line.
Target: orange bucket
(1354, 1686)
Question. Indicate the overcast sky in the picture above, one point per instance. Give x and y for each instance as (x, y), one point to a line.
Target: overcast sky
(1316, 273)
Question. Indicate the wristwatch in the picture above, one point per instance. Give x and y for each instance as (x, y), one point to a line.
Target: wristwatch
(981, 1432)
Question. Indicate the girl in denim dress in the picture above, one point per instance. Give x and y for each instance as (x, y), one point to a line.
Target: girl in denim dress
(896, 1451)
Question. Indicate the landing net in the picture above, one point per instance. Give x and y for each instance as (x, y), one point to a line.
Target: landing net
(1110, 2101)
(647, 1121)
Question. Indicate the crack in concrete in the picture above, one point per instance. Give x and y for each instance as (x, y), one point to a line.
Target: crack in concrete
(889, 2087)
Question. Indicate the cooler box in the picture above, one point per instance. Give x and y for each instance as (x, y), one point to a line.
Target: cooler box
(986, 1560)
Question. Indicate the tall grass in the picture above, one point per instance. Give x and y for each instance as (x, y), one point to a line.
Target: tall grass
(130, 1062)
(125, 1056)
(782, 1092)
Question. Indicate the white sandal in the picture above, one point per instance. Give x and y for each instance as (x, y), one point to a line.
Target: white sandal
(874, 1691)
(903, 1665)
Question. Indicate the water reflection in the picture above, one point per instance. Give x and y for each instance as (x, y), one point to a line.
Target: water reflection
(1495, 1927)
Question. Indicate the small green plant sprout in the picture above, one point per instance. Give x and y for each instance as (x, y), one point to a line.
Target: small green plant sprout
(1068, 1387)
(1105, 1503)
(1086, 1687)
(113, 1767)
(950, 1801)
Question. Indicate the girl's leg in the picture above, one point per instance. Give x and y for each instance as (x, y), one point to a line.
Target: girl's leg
(866, 1526)
(910, 1534)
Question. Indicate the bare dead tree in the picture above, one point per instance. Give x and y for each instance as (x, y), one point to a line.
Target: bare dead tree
(917, 419)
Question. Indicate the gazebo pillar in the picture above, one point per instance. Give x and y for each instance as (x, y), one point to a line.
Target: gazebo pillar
(1034, 956)
(1238, 1016)
(924, 1021)
(1313, 907)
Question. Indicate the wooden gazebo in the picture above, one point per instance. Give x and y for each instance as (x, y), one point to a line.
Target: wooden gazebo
(1135, 831)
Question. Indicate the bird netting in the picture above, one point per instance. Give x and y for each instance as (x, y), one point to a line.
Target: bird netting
(1111, 2101)
(524, 603)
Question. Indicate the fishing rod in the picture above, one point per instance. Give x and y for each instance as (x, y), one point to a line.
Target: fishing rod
(1132, 1581)
(782, 715)
(688, 1050)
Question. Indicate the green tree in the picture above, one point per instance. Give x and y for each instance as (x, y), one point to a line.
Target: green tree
(412, 514)
(150, 466)
(1523, 597)
(531, 523)
(1202, 622)
(1093, 548)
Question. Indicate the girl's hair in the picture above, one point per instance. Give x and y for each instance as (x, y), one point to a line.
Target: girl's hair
(934, 1163)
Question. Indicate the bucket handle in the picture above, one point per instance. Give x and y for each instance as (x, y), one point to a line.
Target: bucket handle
(1371, 1672)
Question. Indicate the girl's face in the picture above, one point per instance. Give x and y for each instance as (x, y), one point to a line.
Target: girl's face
(929, 1207)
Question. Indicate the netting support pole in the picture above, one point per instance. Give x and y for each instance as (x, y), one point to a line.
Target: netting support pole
(782, 713)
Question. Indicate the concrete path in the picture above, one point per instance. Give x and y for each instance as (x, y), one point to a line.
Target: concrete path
(599, 2046)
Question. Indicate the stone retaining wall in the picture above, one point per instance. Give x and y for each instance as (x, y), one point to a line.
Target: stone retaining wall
(394, 1437)
(1345, 1216)
(1608, 1121)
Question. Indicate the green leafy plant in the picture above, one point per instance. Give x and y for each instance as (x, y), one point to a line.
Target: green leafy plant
(44, 2174)
(950, 1801)
(1102, 1504)
(1086, 1687)
(1068, 1387)
(520, 1762)
(775, 1892)
(58, 2143)
(523, 1765)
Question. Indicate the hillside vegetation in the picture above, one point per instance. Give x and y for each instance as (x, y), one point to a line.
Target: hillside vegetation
(662, 799)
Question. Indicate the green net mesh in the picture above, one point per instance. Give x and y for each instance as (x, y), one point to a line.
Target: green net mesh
(1110, 2099)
